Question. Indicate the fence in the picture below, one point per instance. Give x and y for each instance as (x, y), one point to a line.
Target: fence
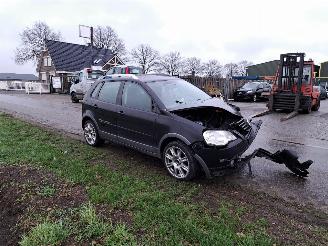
(227, 86)
(12, 85)
(33, 87)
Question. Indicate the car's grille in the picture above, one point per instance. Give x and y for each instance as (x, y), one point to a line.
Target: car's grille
(241, 126)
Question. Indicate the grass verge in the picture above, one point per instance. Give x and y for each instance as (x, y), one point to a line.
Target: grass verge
(162, 210)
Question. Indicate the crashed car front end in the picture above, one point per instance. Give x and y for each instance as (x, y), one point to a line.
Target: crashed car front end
(220, 157)
(225, 134)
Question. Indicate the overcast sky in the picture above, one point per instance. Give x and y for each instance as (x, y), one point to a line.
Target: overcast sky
(229, 31)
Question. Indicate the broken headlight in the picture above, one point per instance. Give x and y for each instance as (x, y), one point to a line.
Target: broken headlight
(218, 138)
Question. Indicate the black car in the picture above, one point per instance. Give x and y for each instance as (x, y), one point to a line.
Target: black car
(253, 91)
(323, 93)
(168, 118)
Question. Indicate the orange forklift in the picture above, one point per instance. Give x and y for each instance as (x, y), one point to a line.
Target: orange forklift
(293, 89)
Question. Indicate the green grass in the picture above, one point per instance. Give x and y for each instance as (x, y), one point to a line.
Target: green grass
(162, 208)
(46, 233)
(47, 191)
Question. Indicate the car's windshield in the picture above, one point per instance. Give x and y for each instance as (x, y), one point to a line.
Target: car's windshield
(95, 74)
(250, 86)
(176, 92)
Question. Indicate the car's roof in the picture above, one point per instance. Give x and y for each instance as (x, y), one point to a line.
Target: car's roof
(147, 78)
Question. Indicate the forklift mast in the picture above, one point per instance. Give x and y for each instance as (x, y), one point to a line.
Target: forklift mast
(287, 88)
(290, 64)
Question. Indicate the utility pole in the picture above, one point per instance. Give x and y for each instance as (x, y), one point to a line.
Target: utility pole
(91, 36)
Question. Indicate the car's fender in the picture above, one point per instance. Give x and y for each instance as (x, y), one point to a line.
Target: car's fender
(89, 114)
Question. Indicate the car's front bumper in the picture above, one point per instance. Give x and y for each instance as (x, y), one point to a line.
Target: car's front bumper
(215, 158)
(243, 96)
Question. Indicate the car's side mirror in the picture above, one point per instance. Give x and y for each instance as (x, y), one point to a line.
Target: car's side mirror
(76, 80)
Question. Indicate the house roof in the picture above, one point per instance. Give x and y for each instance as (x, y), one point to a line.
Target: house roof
(74, 57)
(19, 77)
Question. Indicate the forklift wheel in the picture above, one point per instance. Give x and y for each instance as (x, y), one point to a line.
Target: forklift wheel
(316, 106)
(308, 109)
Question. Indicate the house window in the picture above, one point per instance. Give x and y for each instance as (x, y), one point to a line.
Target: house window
(44, 76)
(47, 61)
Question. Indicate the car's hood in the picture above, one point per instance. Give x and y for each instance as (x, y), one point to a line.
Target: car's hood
(210, 103)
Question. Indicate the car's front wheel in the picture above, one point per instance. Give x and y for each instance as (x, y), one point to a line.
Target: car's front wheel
(74, 98)
(179, 161)
(91, 134)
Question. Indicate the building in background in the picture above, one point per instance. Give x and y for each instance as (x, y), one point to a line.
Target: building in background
(61, 59)
(14, 81)
(269, 69)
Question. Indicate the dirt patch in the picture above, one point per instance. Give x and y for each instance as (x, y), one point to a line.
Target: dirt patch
(25, 191)
(289, 223)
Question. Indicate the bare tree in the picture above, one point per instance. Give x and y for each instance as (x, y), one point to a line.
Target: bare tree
(107, 38)
(231, 69)
(171, 63)
(213, 68)
(146, 57)
(193, 65)
(237, 69)
(33, 42)
(242, 67)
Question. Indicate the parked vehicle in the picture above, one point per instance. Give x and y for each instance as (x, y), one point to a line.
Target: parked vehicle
(83, 81)
(168, 118)
(253, 91)
(124, 69)
(324, 85)
(323, 93)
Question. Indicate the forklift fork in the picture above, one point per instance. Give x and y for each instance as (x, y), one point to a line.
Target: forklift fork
(287, 157)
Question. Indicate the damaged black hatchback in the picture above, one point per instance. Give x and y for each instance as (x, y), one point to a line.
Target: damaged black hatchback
(168, 118)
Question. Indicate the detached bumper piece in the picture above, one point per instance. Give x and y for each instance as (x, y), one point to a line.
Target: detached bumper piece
(287, 157)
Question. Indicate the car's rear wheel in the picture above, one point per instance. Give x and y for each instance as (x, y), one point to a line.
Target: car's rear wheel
(74, 98)
(91, 134)
(179, 161)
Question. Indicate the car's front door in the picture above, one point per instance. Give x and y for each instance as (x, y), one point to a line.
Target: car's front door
(106, 107)
(136, 120)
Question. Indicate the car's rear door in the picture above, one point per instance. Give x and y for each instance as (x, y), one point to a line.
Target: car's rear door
(136, 122)
(106, 107)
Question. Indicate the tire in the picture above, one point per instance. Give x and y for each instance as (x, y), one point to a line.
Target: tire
(74, 98)
(91, 134)
(308, 109)
(179, 161)
(317, 105)
(255, 98)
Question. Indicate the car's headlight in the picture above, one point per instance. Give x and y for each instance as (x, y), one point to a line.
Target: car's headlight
(249, 92)
(219, 138)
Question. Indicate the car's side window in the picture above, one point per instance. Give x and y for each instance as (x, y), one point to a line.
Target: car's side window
(108, 92)
(96, 90)
(134, 96)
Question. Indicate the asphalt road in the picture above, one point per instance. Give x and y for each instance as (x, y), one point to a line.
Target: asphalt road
(305, 134)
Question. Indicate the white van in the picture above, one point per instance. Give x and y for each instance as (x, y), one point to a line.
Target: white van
(83, 81)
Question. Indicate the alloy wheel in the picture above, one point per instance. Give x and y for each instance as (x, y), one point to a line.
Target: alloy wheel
(255, 98)
(90, 133)
(177, 162)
